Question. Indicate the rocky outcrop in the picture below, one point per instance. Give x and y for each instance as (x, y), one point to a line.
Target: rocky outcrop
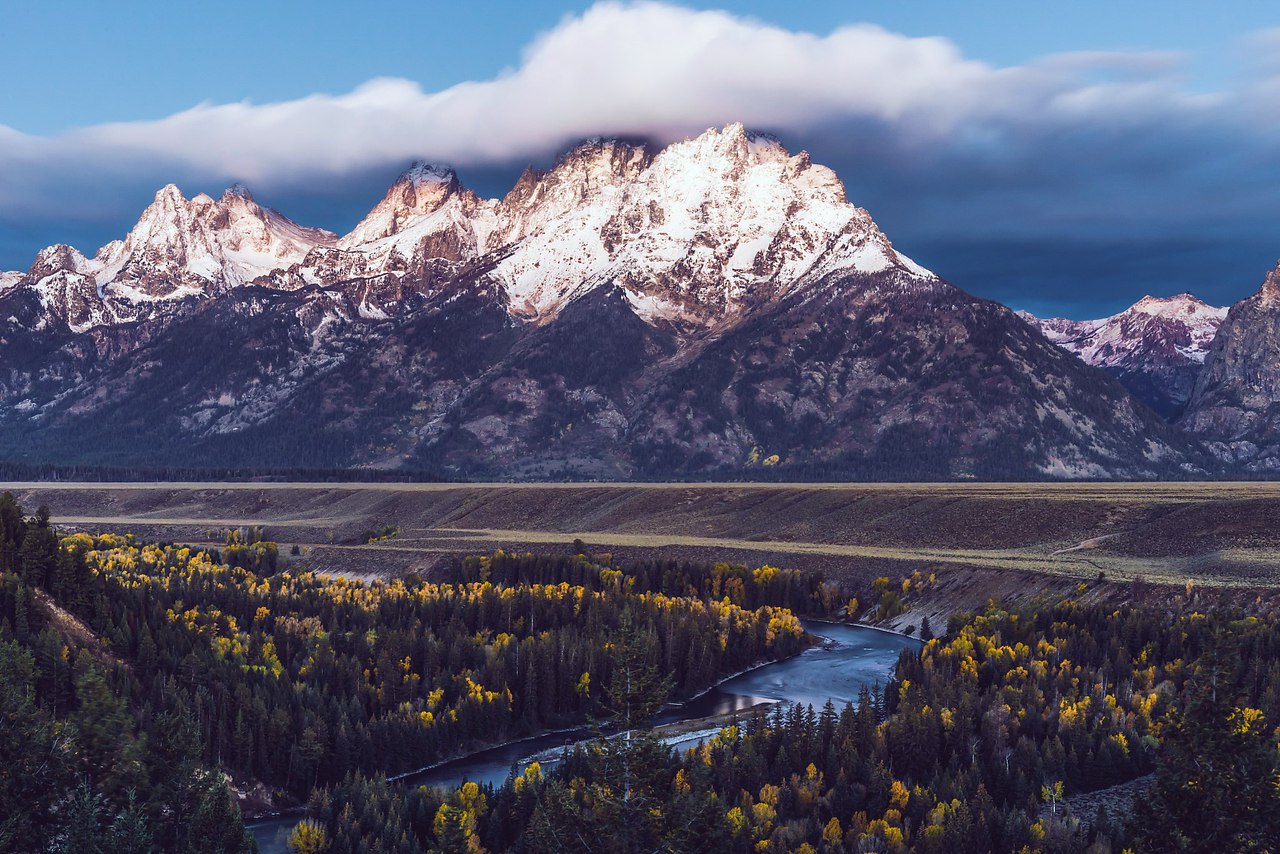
(1235, 407)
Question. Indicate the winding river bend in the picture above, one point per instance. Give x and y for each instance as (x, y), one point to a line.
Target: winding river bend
(850, 658)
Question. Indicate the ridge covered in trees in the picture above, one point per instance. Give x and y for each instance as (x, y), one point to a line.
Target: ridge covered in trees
(88, 762)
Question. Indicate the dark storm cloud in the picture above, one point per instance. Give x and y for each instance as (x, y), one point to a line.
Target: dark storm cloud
(1078, 220)
(1077, 182)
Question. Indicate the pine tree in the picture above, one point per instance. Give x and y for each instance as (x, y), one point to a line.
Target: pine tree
(104, 730)
(35, 760)
(637, 691)
(1218, 783)
(215, 826)
(21, 620)
(129, 832)
(557, 825)
(82, 815)
(38, 556)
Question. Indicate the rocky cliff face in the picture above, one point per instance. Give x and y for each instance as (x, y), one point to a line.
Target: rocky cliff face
(1236, 403)
(1155, 348)
(692, 311)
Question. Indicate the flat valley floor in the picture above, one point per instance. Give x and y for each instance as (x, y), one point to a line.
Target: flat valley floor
(1224, 535)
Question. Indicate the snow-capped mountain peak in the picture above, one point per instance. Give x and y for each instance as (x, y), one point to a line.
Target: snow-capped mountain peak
(1184, 307)
(696, 234)
(734, 143)
(185, 248)
(423, 172)
(236, 191)
(10, 279)
(1156, 346)
(58, 257)
(693, 233)
(1185, 323)
(419, 191)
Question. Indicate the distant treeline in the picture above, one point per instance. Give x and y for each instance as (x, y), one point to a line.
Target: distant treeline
(906, 453)
(20, 471)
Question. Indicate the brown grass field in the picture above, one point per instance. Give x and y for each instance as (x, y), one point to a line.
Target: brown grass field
(1221, 535)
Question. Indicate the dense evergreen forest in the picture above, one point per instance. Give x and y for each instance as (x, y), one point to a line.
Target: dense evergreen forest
(88, 761)
(142, 685)
(974, 748)
(294, 680)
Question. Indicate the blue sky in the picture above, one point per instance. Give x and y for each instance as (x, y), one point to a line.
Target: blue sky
(1060, 157)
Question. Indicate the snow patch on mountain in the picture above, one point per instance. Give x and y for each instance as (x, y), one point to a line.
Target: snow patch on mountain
(704, 230)
(1168, 329)
(1156, 347)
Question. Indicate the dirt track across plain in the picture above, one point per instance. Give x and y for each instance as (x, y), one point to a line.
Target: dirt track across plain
(1218, 534)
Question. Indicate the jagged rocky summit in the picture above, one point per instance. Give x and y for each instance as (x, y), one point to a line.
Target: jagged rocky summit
(691, 311)
(1155, 348)
(1235, 406)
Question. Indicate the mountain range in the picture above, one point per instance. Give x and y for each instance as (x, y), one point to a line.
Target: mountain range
(713, 308)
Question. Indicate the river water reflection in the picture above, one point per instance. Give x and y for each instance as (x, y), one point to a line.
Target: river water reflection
(852, 657)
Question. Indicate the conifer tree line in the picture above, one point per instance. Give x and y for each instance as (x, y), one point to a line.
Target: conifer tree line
(140, 684)
(296, 680)
(87, 762)
(974, 747)
(10, 471)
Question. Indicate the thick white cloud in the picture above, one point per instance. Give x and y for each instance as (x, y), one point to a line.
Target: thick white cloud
(645, 68)
(1057, 143)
